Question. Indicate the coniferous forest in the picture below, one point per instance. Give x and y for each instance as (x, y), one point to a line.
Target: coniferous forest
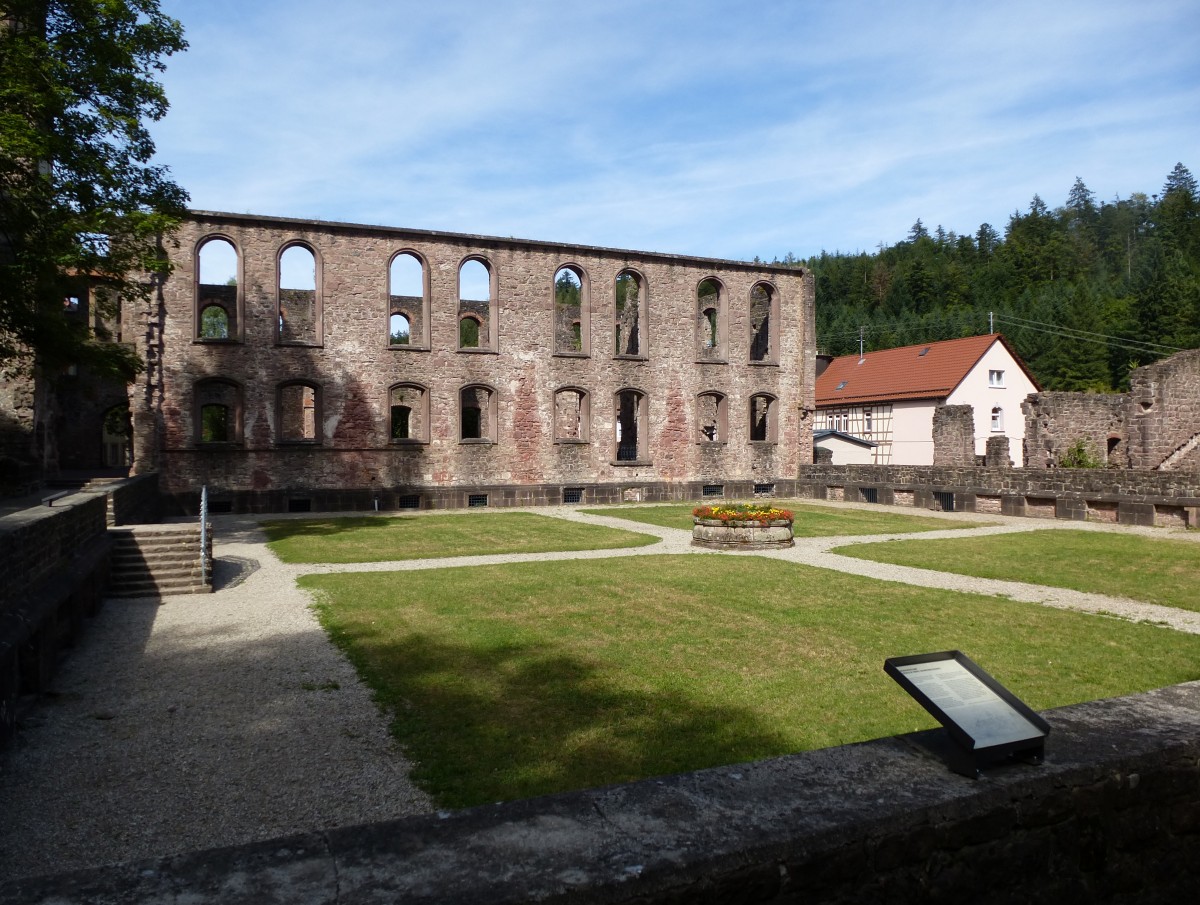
(1085, 292)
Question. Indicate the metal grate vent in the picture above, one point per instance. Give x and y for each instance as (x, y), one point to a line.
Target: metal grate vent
(477, 499)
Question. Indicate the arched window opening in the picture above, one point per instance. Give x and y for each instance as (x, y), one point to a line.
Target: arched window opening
(399, 330)
(299, 308)
(762, 418)
(116, 429)
(571, 415)
(299, 418)
(711, 418)
(408, 413)
(468, 332)
(630, 313)
(475, 304)
(408, 296)
(217, 288)
(477, 416)
(763, 315)
(214, 323)
(218, 411)
(997, 419)
(710, 312)
(630, 423)
(570, 311)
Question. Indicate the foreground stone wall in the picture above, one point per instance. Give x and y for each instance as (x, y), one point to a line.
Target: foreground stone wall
(53, 564)
(351, 367)
(1112, 816)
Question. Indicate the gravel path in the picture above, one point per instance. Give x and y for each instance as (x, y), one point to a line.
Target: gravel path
(202, 721)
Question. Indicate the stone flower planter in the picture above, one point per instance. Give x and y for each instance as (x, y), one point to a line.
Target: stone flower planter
(741, 534)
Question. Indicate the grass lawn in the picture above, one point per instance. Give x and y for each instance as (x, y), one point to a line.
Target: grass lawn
(388, 538)
(1156, 570)
(510, 681)
(811, 521)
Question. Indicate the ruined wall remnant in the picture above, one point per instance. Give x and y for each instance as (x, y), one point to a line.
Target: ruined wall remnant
(1054, 422)
(1156, 425)
(1164, 414)
(954, 435)
(997, 454)
(400, 405)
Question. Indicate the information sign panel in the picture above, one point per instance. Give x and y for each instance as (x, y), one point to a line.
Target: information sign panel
(986, 721)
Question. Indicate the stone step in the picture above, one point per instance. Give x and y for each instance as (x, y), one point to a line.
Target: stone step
(158, 589)
(164, 556)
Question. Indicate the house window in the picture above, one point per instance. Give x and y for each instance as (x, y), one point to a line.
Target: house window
(477, 413)
(571, 311)
(299, 413)
(995, 378)
(408, 302)
(476, 311)
(764, 324)
(299, 300)
(997, 419)
(840, 420)
(408, 413)
(218, 301)
(867, 422)
(572, 415)
(218, 411)
(712, 422)
(629, 318)
(762, 418)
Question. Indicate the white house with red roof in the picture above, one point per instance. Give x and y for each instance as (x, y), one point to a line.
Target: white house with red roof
(888, 397)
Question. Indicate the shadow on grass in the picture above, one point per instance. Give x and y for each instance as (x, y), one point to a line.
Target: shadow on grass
(494, 723)
(282, 529)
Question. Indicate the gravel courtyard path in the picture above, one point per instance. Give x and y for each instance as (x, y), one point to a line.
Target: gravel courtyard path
(201, 721)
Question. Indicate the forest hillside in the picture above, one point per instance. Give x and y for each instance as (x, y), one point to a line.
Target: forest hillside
(1085, 292)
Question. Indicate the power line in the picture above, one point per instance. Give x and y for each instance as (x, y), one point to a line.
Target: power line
(1132, 345)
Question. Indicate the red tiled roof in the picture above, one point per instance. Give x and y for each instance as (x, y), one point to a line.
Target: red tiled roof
(926, 371)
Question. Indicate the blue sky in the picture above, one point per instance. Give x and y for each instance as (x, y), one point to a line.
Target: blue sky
(707, 128)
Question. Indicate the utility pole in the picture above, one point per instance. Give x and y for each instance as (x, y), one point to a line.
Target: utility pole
(991, 326)
(861, 329)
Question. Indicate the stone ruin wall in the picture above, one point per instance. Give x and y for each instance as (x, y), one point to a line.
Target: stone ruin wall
(1164, 414)
(1154, 426)
(1056, 421)
(954, 435)
(354, 368)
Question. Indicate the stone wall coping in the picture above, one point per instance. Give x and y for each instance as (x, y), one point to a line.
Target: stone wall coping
(480, 240)
(724, 834)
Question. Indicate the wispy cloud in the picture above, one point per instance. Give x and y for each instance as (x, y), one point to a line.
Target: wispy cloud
(703, 128)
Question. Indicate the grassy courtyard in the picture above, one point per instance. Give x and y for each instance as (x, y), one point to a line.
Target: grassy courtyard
(509, 681)
(811, 521)
(393, 538)
(1154, 569)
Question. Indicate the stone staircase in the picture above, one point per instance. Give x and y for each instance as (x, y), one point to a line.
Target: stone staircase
(157, 560)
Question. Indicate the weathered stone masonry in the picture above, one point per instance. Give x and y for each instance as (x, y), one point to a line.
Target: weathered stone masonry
(520, 416)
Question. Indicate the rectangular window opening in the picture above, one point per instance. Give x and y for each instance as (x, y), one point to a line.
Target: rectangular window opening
(869, 494)
(764, 490)
(945, 499)
(714, 490)
(477, 499)
(217, 507)
(409, 501)
(572, 494)
(301, 505)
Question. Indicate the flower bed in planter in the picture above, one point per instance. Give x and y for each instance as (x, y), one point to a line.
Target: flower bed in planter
(741, 526)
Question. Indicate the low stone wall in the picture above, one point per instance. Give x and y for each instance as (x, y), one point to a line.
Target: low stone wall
(1170, 499)
(1112, 816)
(53, 564)
(135, 501)
(391, 499)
